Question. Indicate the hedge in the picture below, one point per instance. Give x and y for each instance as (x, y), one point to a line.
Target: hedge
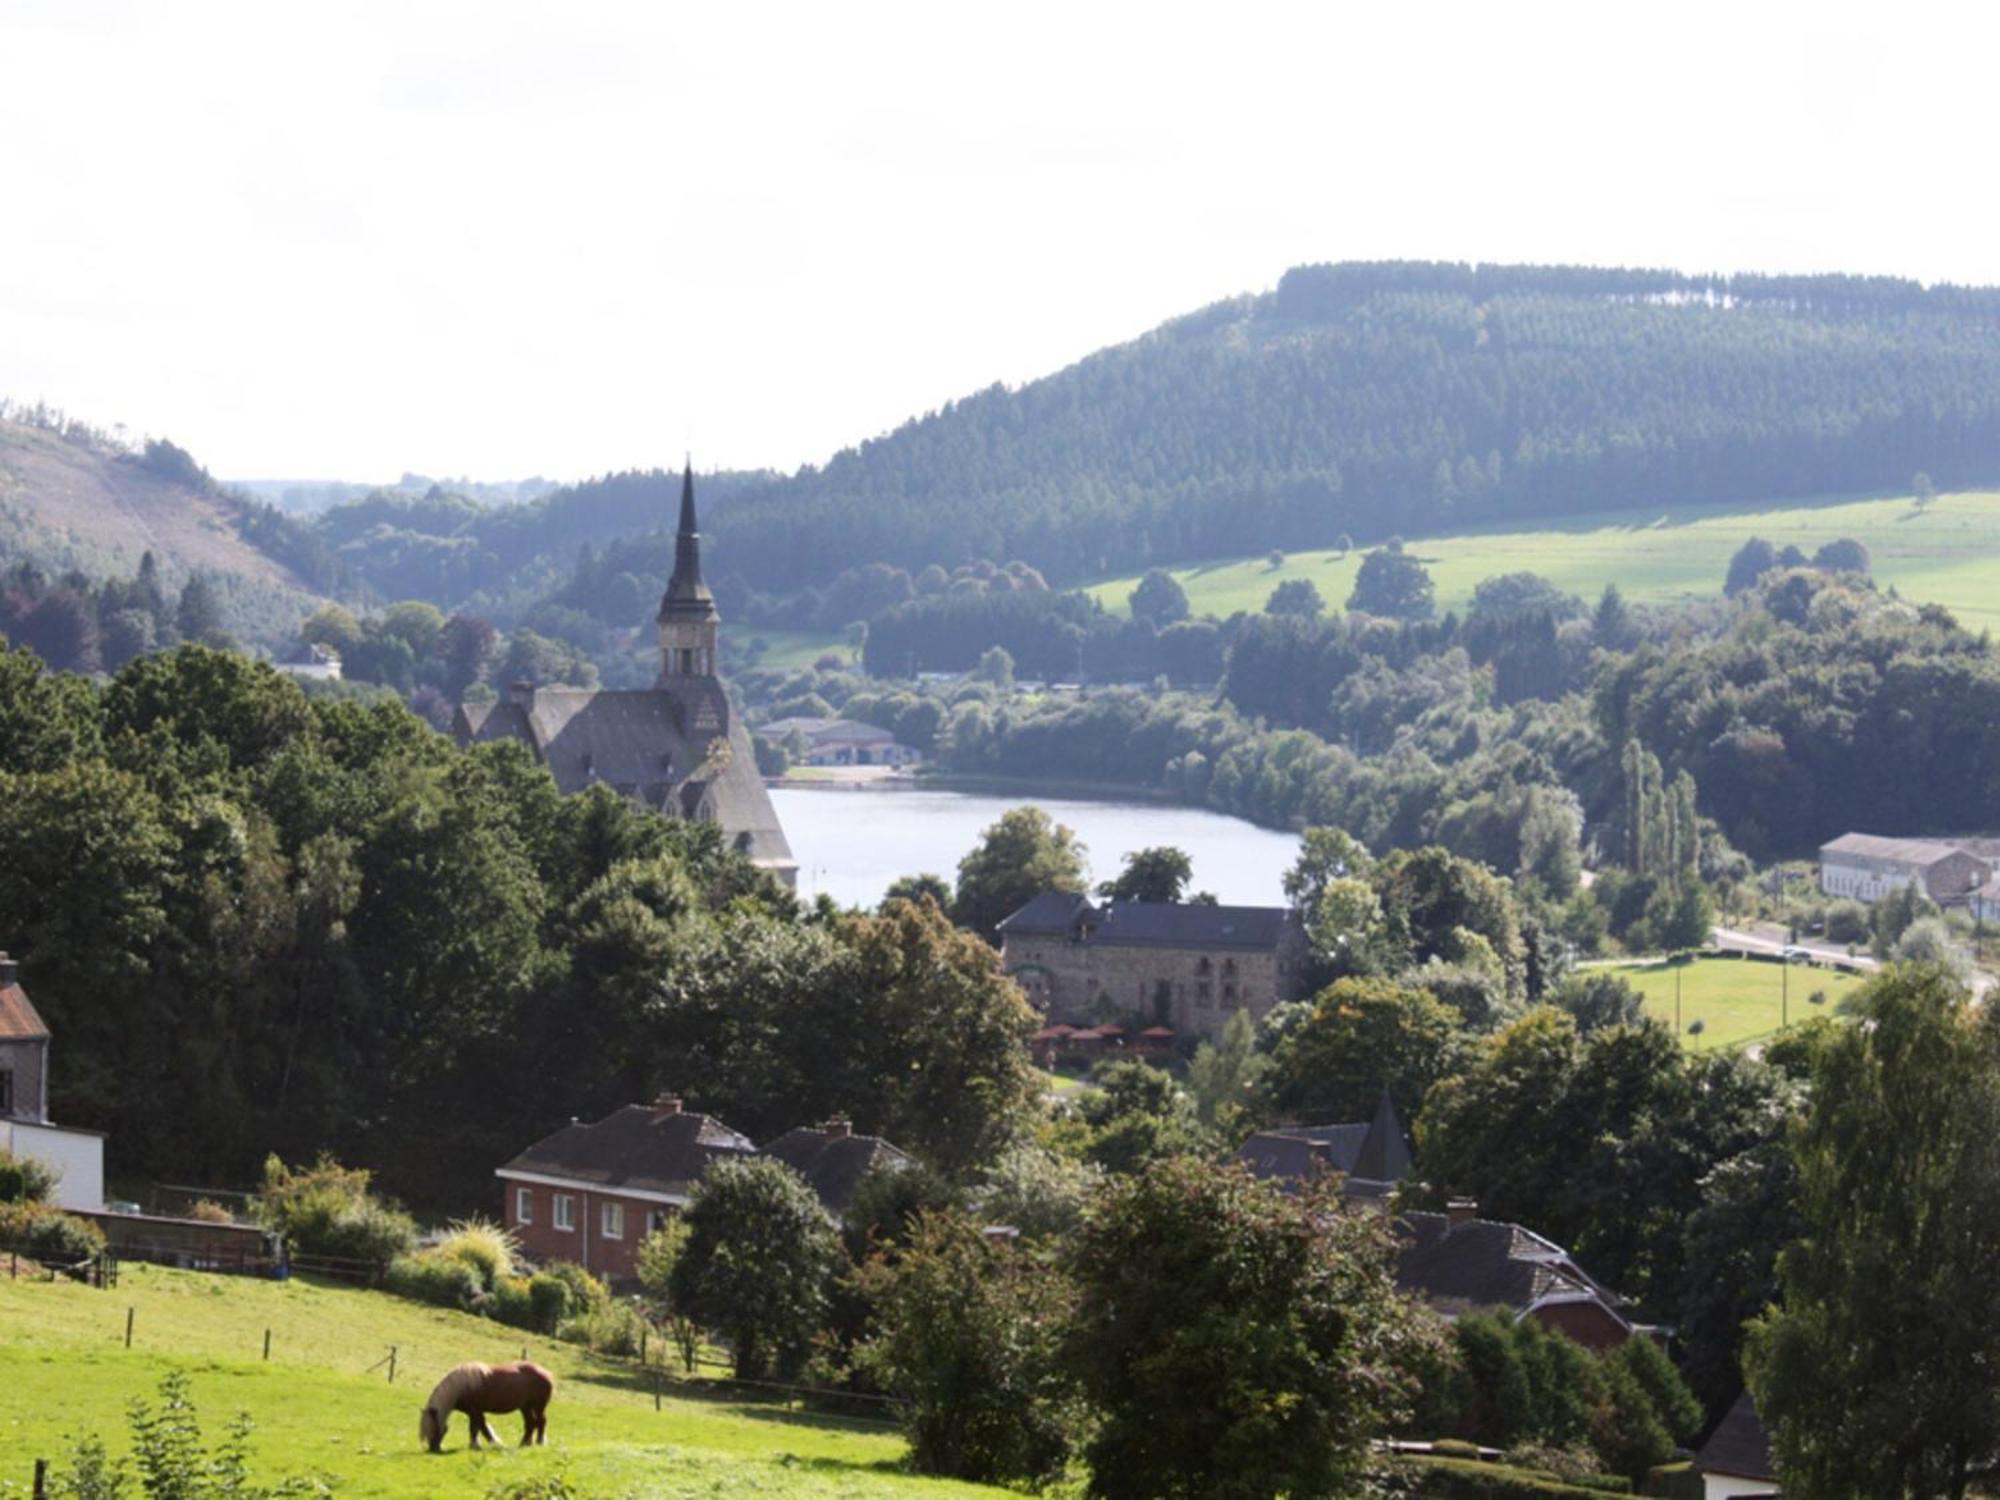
(1464, 1479)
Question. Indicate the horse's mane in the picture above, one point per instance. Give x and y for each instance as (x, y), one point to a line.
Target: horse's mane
(445, 1395)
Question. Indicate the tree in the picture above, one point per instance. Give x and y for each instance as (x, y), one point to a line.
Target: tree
(465, 645)
(1325, 855)
(996, 666)
(659, 1253)
(1689, 920)
(1016, 859)
(1842, 555)
(1928, 941)
(1138, 1114)
(1751, 562)
(1393, 584)
(1267, 1323)
(1159, 874)
(925, 887)
(1611, 626)
(1598, 998)
(1747, 1216)
(755, 1266)
(198, 616)
(1298, 597)
(1364, 1037)
(1922, 487)
(1032, 1189)
(967, 1332)
(1222, 1076)
(1873, 1374)
(1160, 599)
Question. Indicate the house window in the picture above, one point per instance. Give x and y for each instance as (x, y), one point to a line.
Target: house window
(611, 1221)
(6, 1091)
(524, 1205)
(565, 1211)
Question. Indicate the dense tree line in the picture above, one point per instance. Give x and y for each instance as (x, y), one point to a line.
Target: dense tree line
(259, 922)
(1370, 399)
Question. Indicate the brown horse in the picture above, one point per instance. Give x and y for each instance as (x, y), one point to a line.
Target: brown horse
(479, 1389)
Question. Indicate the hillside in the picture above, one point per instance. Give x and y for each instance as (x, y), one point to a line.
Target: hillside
(70, 502)
(318, 1407)
(1367, 400)
(1947, 553)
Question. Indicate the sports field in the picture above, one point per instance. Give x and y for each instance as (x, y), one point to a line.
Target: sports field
(1736, 1000)
(320, 1408)
(1946, 553)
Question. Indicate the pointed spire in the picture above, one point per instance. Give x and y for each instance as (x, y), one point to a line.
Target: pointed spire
(685, 590)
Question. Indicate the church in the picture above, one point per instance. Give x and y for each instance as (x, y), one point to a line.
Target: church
(676, 746)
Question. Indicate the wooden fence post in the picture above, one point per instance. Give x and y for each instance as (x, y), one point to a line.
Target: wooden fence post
(41, 1479)
(392, 1364)
(267, 1343)
(656, 1390)
(128, 1326)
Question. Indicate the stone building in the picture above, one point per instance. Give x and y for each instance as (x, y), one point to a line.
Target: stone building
(1187, 966)
(1867, 867)
(677, 746)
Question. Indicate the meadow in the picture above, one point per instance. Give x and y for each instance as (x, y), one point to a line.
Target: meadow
(1737, 1000)
(1945, 553)
(323, 1403)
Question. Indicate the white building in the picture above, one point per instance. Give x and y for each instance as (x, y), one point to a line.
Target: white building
(1866, 867)
(77, 1156)
(840, 742)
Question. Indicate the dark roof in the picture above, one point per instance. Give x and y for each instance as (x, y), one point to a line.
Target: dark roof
(18, 1020)
(1377, 1151)
(1152, 924)
(636, 1148)
(1739, 1445)
(679, 751)
(1482, 1263)
(1921, 852)
(834, 1163)
(687, 596)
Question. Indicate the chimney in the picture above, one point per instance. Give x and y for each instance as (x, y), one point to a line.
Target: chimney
(9, 970)
(666, 1104)
(839, 1128)
(1459, 1211)
(523, 693)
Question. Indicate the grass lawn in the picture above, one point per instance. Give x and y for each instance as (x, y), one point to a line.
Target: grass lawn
(1947, 554)
(1738, 1000)
(790, 650)
(318, 1408)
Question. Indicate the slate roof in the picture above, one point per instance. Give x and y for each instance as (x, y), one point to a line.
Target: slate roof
(636, 1148)
(1373, 1155)
(1150, 924)
(1920, 852)
(1482, 1263)
(827, 731)
(834, 1163)
(1738, 1446)
(680, 752)
(18, 1019)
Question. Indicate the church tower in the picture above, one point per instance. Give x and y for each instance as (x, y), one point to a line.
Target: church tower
(689, 623)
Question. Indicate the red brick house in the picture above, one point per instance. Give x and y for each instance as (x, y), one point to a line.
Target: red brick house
(591, 1193)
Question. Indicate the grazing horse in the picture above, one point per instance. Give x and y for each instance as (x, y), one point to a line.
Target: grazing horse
(478, 1389)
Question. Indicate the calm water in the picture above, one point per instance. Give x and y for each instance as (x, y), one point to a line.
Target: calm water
(852, 844)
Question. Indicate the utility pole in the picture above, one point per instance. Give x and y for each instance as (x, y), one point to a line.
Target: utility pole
(1678, 966)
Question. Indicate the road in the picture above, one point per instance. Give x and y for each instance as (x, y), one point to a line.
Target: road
(1732, 940)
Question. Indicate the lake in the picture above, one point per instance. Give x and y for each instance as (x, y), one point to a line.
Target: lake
(853, 844)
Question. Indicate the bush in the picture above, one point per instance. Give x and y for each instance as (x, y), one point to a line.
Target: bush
(208, 1211)
(615, 1328)
(1461, 1479)
(441, 1280)
(512, 1302)
(327, 1209)
(549, 1301)
(480, 1243)
(25, 1180)
(43, 1232)
(1847, 922)
(586, 1293)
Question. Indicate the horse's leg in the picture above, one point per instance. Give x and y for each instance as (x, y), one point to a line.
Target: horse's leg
(527, 1425)
(486, 1427)
(541, 1425)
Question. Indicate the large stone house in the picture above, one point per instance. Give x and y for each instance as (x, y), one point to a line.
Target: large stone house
(76, 1156)
(1867, 867)
(1181, 965)
(676, 746)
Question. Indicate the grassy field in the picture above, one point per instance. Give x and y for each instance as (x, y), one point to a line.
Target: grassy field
(1737, 1000)
(320, 1408)
(1948, 553)
(791, 650)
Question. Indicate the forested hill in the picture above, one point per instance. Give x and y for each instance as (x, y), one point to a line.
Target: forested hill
(1366, 400)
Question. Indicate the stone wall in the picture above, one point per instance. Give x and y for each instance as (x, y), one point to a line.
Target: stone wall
(1194, 990)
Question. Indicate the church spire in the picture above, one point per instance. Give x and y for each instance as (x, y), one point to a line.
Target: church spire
(686, 581)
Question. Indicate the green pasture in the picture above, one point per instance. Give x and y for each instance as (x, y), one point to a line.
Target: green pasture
(323, 1404)
(791, 650)
(1947, 553)
(1737, 1000)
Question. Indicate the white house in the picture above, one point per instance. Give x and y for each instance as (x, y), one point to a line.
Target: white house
(1735, 1461)
(77, 1156)
(840, 742)
(1867, 867)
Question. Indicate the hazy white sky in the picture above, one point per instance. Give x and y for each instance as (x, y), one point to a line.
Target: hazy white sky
(495, 239)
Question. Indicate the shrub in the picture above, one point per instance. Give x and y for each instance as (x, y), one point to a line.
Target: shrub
(511, 1303)
(441, 1280)
(549, 1299)
(484, 1246)
(1460, 1479)
(45, 1233)
(1847, 922)
(25, 1180)
(208, 1211)
(615, 1328)
(327, 1209)
(1455, 1448)
(586, 1293)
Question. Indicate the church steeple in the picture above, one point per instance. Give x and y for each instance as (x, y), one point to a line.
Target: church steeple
(689, 621)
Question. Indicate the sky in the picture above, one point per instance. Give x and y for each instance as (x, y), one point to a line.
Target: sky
(499, 239)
